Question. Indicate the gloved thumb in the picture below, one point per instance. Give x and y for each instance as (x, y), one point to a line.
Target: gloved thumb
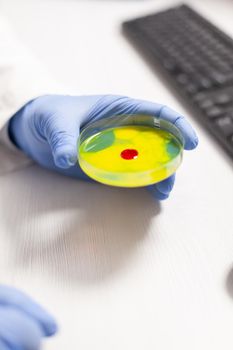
(65, 154)
(62, 136)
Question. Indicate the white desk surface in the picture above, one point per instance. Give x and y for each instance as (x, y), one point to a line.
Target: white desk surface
(118, 270)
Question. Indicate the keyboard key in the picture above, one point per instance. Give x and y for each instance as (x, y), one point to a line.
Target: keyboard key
(205, 83)
(230, 114)
(182, 78)
(218, 77)
(225, 125)
(214, 112)
(223, 99)
(206, 104)
(201, 96)
(170, 65)
(192, 88)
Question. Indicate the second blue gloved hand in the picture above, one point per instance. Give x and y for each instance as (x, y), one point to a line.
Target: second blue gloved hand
(23, 322)
(47, 129)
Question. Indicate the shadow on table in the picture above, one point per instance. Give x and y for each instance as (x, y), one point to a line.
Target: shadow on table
(68, 229)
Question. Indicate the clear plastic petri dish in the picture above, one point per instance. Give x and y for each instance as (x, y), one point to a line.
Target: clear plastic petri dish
(130, 150)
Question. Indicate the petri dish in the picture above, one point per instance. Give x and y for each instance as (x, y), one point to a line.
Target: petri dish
(130, 150)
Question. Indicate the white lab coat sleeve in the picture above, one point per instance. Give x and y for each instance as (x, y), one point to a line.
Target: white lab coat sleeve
(22, 78)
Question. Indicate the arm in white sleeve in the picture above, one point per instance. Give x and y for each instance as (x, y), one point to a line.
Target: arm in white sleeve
(22, 78)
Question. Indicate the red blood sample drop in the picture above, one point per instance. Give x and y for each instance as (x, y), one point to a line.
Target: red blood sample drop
(129, 154)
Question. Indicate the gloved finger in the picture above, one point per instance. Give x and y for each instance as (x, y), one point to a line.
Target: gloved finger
(18, 331)
(14, 298)
(59, 124)
(156, 193)
(166, 113)
(3, 345)
(62, 137)
(162, 189)
(190, 137)
(166, 185)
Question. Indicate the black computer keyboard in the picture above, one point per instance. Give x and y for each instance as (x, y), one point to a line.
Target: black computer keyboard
(198, 59)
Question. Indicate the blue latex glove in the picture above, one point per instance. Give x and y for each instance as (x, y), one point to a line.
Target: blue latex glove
(23, 323)
(47, 128)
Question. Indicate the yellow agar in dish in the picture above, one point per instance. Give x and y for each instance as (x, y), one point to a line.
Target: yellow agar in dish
(130, 156)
